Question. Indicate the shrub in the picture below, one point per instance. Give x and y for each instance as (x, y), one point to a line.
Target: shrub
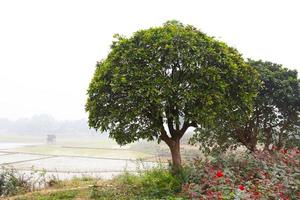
(261, 175)
(12, 183)
(158, 183)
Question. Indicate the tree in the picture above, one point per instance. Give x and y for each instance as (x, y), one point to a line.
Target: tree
(277, 107)
(163, 80)
(275, 116)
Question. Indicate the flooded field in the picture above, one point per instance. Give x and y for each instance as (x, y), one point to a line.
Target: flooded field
(65, 162)
(83, 156)
(12, 158)
(83, 165)
(67, 167)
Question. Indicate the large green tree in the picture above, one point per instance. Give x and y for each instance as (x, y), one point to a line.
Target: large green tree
(163, 80)
(275, 116)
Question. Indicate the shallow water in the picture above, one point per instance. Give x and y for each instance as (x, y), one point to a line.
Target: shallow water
(69, 175)
(83, 165)
(66, 167)
(11, 158)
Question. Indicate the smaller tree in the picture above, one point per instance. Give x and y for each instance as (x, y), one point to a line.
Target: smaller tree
(274, 119)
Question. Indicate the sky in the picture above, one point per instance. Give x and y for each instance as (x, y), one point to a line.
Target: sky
(49, 48)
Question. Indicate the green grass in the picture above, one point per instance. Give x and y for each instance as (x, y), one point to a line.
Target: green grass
(57, 195)
(158, 183)
(68, 189)
(68, 194)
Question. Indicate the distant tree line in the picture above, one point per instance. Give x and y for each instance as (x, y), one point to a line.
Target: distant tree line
(42, 124)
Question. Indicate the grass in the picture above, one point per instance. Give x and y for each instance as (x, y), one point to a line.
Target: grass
(68, 189)
(157, 183)
(67, 194)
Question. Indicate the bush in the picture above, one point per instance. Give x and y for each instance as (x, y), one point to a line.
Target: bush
(158, 183)
(261, 175)
(12, 183)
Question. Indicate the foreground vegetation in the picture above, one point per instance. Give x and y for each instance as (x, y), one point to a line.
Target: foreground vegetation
(260, 175)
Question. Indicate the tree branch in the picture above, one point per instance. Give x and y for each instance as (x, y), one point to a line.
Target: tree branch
(164, 136)
(185, 126)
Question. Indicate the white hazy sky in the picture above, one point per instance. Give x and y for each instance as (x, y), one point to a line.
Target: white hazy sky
(49, 48)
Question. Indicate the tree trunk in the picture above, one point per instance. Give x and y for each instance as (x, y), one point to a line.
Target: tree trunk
(248, 138)
(253, 143)
(280, 140)
(173, 143)
(268, 139)
(176, 157)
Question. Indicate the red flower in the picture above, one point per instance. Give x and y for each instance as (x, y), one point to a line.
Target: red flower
(219, 173)
(241, 187)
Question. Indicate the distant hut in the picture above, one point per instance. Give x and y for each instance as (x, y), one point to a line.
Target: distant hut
(51, 139)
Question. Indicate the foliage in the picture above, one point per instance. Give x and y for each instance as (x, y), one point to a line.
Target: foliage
(55, 195)
(69, 194)
(11, 183)
(174, 75)
(56, 183)
(277, 108)
(157, 183)
(275, 116)
(270, 175)
(261, 175)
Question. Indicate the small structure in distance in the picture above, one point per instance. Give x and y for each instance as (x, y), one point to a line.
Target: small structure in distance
(51, 139)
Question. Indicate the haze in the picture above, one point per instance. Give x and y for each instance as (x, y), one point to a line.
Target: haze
(48, 49)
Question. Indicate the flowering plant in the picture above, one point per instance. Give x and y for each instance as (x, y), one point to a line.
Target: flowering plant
(260, 175)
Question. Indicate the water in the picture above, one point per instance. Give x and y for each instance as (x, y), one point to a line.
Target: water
(66, 167)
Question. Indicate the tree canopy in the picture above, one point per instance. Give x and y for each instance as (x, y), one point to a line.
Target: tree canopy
(159, 82)
(275, 116)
